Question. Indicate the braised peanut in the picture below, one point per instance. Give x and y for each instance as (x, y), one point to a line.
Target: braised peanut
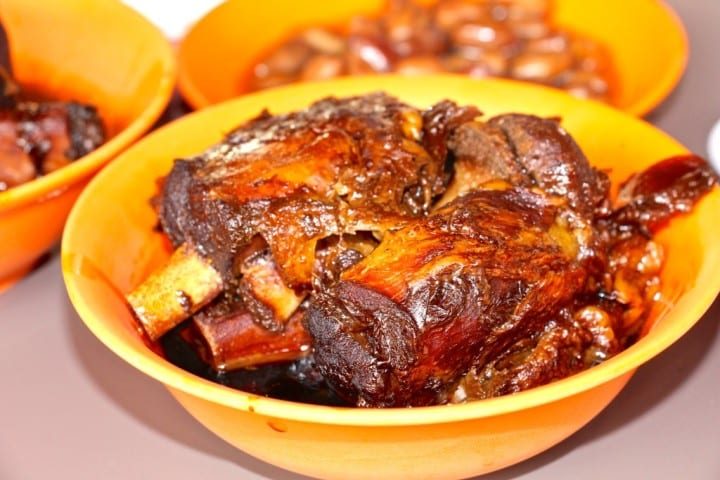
(322, 67)
(419, 65)
(540, 66)
(512, 38)
(366, 55)
(496, 62)
(487, 35)
(530, 29)
(585, 84)
(288, 58)
(324, 41)
(554, 43)
(451, 13)
(527, 9)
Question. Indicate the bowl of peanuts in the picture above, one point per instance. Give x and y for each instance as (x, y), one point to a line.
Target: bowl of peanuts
(627, 54)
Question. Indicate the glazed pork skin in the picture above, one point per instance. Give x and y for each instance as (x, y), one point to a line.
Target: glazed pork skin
(340, 166)
(285, 184)
(442, 294)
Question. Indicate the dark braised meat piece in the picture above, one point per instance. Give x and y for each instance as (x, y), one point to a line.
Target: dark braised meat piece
(443, 294)
(341, 168)
(649, 199)
(609, 315)
(229, 337)
(557, 349)
(424, 318)
(410, 258)
(553, 161)
(39, 137)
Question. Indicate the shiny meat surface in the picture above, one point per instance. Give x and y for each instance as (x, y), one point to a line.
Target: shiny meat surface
(37, 138)
(413, 257)
(444, 293)
(340, 167)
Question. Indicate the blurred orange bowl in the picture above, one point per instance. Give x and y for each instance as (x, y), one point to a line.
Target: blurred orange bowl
(110, 245)
(645, 39)
(96, 52)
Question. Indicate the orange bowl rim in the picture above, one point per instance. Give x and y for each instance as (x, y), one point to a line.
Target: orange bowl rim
(671, 76)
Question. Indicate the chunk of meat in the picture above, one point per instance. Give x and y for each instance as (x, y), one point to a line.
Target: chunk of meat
(38, 138)
(554, 162)
(651, 198)
(336, 169)
(341, 166)
(232, 339)
(482, 155)
(553, 352)
(443, 294)
(424, 257)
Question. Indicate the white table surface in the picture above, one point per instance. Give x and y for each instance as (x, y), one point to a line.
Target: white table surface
(71, 409)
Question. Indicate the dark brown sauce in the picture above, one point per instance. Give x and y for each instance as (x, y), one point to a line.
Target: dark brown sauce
(296, 381)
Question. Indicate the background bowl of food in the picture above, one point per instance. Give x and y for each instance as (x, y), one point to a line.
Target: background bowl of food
(112, 246)
(630, 54)
(119, 71)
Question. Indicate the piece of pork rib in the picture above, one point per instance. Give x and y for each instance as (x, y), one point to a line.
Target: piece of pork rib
(606, 319)
(230, 337)
(340, 167)
(577, 300)
(528, 151)
(442, 294)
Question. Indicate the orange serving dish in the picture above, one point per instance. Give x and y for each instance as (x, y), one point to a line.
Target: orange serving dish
(97, 52)
(110, 245)
(645, 38)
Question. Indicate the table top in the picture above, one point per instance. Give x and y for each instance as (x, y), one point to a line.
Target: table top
(70, 408)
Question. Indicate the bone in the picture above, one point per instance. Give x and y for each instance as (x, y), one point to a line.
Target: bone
(235, 340)
(174, 292)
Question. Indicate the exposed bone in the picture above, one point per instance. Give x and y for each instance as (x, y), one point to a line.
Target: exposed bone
(174, 292)
(265, 294)
(235, 340)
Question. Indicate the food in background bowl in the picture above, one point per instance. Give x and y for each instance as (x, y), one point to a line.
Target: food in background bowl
(505, 38)
(102, 54)
(111, 244)
(644, 40)
(38, 137)
(409, 257)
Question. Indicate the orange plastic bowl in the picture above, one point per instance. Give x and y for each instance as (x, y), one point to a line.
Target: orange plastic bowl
(99, 52)
(645, 38)
(110, 245)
